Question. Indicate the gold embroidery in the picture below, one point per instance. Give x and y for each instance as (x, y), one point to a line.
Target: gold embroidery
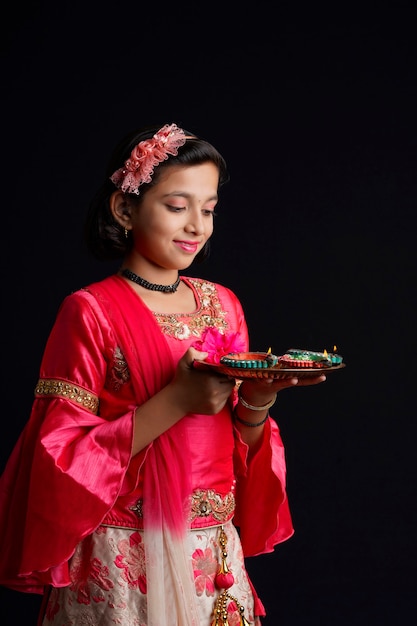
(119, 373)
(209, 313)
(205, 502)
(61, 389)
(138, 508)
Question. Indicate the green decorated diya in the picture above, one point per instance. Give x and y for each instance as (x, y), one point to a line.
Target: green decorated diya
(292, 358)
(249, 360)
(295, 357)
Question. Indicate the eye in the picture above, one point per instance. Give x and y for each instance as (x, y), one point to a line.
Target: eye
(175, 209)
(209, 212)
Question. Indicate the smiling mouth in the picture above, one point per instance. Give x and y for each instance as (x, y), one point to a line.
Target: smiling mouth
(187, 246)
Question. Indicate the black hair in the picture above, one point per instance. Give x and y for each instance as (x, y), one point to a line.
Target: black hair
(104, 237)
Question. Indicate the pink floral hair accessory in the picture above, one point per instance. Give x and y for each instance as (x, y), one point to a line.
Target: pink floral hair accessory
(139, 167)
(217, 344)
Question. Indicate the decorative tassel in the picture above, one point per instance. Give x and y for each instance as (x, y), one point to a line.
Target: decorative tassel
(224, 578)
(220, 611)
(243, 620)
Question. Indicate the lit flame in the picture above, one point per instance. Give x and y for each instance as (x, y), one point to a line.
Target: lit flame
(334, 348)
(269, 350)
(325, 352)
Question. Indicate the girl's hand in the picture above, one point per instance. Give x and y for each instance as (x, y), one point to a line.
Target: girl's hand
(200, 391)
(259, 391)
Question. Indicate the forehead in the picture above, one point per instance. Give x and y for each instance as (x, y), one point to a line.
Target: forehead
(191, 179)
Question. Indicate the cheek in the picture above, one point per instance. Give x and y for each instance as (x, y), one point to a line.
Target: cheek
(209, 229)
(143, 242)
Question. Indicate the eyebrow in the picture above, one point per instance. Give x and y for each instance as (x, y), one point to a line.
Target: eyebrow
(184, 194)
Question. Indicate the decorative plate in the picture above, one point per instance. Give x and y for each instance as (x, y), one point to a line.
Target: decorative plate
(267, 372)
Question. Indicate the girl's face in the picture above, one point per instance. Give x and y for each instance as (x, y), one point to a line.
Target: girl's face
(175, 218)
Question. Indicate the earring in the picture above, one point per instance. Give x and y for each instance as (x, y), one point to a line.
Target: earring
(126, 233)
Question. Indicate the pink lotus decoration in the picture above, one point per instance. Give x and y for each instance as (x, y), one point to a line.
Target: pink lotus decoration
(217, 344)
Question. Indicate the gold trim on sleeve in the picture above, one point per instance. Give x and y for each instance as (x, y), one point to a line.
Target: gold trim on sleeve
(61, 389)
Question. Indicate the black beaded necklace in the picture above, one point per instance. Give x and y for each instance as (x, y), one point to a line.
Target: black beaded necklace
(152, 286)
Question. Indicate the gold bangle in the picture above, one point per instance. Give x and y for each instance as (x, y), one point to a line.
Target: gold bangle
(251, 424)
(256, 408)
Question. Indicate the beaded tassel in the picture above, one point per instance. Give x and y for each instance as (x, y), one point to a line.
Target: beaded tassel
(224, 580)
(224, 577)
(220, 611)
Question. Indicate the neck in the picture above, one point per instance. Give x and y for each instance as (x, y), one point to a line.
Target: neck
(151, 286)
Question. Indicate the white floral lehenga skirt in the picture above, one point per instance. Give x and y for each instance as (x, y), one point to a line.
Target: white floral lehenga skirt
(109, 584)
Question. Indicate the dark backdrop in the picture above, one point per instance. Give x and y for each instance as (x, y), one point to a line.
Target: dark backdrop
(316, 116)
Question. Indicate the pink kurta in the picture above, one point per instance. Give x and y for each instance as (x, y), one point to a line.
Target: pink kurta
(71, 471)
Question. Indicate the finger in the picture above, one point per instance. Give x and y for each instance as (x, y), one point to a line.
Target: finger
(313, 381)
(194, 354)
(287, 382)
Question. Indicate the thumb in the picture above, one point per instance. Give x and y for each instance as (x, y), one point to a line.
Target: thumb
(195, 355)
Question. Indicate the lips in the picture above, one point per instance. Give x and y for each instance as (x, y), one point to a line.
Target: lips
(188, 246)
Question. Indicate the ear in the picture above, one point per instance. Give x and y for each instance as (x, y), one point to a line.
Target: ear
(121, 209)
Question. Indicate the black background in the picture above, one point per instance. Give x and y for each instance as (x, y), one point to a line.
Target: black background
(315, 113)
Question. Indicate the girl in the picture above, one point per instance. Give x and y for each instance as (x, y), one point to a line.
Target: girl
(141, 482)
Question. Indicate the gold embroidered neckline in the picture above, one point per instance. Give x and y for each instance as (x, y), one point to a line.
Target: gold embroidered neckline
(209, 312)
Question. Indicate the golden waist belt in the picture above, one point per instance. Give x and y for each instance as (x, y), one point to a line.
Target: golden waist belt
(206, 508)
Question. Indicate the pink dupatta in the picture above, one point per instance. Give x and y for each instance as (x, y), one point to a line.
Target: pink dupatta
(171, 592)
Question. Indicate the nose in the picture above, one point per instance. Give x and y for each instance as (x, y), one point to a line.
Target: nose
(195, 223)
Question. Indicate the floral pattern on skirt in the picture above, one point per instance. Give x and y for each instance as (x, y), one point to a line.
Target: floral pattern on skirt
(108, 574)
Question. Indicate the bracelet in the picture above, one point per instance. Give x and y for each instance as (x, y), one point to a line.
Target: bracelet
(252, 424)
(256, 408)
